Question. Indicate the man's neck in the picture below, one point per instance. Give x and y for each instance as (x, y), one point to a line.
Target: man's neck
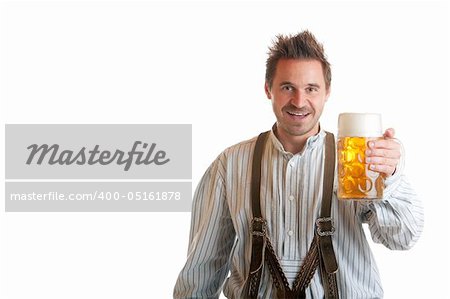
(291, 143)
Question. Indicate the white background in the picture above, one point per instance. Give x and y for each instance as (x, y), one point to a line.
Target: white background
(203, 64)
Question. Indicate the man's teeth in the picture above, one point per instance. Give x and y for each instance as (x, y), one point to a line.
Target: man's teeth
(297, 113)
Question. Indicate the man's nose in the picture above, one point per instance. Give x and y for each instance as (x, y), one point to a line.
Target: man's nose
(298, 99)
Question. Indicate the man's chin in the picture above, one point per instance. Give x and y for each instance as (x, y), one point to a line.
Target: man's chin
(297, 131)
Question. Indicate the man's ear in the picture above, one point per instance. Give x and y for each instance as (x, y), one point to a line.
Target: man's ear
(267, 90)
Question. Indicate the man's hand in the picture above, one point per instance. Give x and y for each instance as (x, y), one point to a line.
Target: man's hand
(383, 155)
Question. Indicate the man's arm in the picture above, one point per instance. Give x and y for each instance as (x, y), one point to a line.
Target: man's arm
(211, 239)
(397, 220)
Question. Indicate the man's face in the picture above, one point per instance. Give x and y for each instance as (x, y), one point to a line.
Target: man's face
(298, 95)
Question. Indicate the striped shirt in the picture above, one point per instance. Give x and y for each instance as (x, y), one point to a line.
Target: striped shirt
(220, 240)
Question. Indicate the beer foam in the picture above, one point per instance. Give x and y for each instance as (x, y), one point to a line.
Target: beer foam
(359, 125)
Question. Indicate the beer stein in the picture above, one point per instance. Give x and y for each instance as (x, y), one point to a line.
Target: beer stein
(355, 180)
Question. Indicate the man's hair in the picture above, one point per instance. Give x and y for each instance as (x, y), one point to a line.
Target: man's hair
(300, 46)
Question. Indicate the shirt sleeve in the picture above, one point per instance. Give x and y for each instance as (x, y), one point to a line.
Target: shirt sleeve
(397, 220)
(211, 238)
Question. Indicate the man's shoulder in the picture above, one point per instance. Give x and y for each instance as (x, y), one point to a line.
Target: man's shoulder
(241, 147)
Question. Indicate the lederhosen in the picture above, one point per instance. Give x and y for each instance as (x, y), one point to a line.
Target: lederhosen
(320, 254)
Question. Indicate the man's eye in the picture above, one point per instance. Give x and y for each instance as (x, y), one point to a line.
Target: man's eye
(287, 88)
(311, 89)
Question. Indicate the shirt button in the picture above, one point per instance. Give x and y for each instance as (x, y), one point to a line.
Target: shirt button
(290, 233)
(291, 197)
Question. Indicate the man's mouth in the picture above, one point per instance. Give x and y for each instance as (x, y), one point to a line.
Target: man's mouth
(298, 114)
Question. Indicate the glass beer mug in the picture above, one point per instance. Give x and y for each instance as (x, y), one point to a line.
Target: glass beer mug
(355, 180)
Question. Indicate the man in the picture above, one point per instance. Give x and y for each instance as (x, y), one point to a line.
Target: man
(298, 78)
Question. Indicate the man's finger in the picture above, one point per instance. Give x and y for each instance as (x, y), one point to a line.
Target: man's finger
(382, 161)
(383, 152)
(389, 133)
(387, 170)
(390, 144)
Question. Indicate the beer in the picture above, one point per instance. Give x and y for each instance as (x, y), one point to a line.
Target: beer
(355, 179)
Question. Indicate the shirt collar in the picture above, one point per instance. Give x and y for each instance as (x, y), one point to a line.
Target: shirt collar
(311, 142)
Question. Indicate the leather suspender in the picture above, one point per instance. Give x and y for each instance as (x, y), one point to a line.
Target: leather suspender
(324, 224)
(258, 223)
(321, 250)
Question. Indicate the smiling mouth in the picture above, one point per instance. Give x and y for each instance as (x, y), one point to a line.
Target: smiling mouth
(298, 114)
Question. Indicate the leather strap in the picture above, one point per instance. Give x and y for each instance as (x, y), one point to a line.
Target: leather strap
(258, 225)
(256, 173)
(324, 225)
(321, 250)
(304, 276)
